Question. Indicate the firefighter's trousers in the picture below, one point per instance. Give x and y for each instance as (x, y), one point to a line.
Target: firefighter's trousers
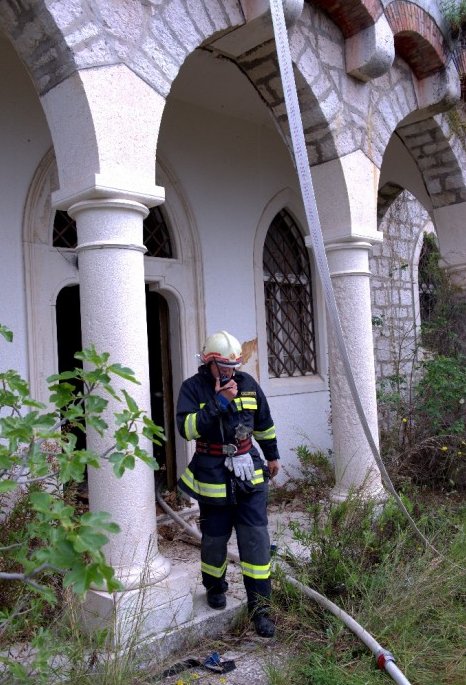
(249, 519)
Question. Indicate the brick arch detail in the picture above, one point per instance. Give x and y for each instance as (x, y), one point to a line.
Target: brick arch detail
(351, 16)
(261, 68)
(418, 39)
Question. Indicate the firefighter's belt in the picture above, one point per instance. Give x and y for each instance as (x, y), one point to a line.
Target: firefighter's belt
(229, 450)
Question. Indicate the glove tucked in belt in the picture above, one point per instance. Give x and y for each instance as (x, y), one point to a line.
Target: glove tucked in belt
(242, 466)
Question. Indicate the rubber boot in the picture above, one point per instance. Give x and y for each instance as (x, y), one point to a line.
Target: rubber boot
(263, 624)
(216, 600)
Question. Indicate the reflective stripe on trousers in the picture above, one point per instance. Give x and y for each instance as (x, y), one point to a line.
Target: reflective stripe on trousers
(249, 518)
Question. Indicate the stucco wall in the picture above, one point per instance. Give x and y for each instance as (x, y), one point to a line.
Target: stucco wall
(24, 140)
(230, 169)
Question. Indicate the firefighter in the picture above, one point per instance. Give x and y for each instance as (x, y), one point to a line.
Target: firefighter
(223, 408)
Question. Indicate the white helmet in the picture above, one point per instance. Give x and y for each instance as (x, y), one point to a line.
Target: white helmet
(222, 348)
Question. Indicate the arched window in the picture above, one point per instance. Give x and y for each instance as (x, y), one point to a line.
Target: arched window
(156, 235)
(288, 301)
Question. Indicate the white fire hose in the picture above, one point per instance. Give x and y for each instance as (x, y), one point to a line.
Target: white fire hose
(315, 231)
(384, 658)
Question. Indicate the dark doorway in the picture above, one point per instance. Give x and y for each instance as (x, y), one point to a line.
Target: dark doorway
(68, 317)
(160, 375)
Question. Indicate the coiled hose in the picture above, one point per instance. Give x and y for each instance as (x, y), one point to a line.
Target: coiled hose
(385, 660)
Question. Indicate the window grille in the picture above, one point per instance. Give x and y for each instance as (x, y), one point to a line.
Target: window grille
(288, 301)
(64, 230)
(155, 233)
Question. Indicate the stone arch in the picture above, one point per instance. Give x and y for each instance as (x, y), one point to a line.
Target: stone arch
(440, 156)
(39, 41)
(87, 39)
(86, 36)
(84, 58)
(395, 295)
(385, 197)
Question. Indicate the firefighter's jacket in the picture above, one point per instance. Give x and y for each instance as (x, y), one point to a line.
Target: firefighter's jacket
(200, 416)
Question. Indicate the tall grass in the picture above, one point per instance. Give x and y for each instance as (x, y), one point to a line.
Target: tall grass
(371, 566)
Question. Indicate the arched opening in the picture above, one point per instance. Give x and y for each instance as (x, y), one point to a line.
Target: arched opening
(428, 277)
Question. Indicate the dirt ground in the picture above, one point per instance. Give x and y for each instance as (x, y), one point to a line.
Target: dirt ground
(250, 658)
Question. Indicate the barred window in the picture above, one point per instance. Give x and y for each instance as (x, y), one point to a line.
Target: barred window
(156, 235)
(64, 230)
(288, 301)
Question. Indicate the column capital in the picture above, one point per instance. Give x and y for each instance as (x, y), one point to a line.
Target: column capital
(348, 257)
(350, 244)
(118, 226)
(107, 203)
(108, 189)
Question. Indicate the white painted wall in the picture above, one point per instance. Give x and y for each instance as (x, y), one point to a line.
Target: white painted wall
(24, 139)
(230, 169)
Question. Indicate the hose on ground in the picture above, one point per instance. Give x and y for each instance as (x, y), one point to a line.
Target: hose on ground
(385, 660)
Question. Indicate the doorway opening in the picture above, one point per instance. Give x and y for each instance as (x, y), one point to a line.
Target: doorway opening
(160, 376)
(69, 341)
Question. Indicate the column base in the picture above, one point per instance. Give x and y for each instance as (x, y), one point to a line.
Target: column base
(140, 613)
(134, 577)
(367, 491)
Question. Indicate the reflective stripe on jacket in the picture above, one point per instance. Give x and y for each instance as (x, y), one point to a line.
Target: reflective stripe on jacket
(200, 416)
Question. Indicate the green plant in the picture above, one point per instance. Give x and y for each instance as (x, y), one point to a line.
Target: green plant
(368, 561)
(315, 467)
(454, 12)
(46, 544)
(340, 558)
(443, 308)
(441, 394)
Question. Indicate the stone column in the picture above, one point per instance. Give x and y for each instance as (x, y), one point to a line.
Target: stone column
(113, 311)
(355, 465)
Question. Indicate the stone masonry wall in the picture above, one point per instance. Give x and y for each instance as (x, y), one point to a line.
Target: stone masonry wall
(395, 297)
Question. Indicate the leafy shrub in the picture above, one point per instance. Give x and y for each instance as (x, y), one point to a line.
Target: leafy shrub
(368, 561)
(347, 540)
(426, 438)
(46, 543)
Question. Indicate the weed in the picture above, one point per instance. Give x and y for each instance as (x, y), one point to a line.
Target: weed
(369, 562)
